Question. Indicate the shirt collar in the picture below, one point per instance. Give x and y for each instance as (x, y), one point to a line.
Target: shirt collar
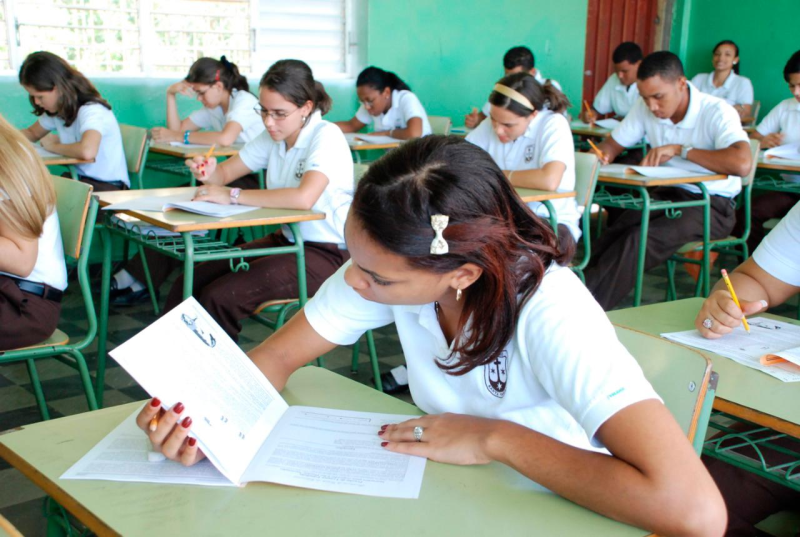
(304, 138)
(728, 81)
(794, 105)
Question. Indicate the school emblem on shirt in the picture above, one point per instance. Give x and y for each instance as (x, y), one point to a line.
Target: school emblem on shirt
(300, 169)
(529, 153)
(496, 375)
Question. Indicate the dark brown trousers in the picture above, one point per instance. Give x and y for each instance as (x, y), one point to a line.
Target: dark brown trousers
(25, 319)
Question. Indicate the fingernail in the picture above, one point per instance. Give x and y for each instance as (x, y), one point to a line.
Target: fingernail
(383, 427)
(187, 421)
(178, 408)
(764, 304)
(192, 442)
(380, 433)
(155, 402)
(384, 444)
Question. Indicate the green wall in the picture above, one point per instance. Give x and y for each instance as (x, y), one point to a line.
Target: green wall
(451, 53)
(765, 32)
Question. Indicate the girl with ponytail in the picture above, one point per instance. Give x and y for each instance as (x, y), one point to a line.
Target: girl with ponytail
(387, 103)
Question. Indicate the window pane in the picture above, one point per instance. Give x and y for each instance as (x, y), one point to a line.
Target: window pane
(5, 56)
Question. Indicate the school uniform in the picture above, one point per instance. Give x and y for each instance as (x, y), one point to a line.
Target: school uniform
(735, 90)
(109, 171)
(615, 97)
(710, 123)
(405, 105)
(539, 78)
(241, 110)
(545, 379)
(30, 305)
(784, 118)
(231, 297)
(547, 139)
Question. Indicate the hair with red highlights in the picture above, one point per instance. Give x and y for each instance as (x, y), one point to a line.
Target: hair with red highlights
(489, 226)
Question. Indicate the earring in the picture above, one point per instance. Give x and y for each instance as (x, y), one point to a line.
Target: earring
(303, 118)
(458, 295)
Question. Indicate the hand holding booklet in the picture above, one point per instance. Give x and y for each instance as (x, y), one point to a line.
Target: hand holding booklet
(241, 423)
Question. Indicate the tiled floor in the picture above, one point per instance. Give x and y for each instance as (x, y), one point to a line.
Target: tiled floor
(21, 501)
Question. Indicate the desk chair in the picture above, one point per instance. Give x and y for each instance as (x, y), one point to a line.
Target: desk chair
(440, 124)
(587, 169)
(752, 121)
(77, 212)
(681, 376)
(135, 144)
(729, 245)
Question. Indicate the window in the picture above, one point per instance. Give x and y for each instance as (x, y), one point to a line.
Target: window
(5, 54)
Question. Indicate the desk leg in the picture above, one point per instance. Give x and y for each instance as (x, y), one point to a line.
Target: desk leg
(706, 267)
(302, 285)
(553, 215)
(102, 325)
(188, 265)
(637, 293)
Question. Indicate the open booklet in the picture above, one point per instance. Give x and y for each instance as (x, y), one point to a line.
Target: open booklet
(180, 201)
(247, 431)
(356, 138)
(788, 154)
(673, 168)
(772, 347)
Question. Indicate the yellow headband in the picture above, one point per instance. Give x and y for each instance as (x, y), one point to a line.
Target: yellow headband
(514, 95)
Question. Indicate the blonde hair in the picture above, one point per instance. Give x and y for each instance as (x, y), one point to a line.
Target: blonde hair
(27, 196)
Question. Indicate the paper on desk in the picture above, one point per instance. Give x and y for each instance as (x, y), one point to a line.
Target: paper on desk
(609, 123)
(356, 138)
(180, 201)
(189, 146)
(767, 336)
(789, 152)
(675, 167)
(42, 152)
(122, 456)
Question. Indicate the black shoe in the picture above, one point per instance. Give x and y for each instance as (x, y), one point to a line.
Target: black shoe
(390, 385)
(113, 292)
(129, 297)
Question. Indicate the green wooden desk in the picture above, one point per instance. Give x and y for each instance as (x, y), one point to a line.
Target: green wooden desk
(188, 248)
(175, 164)
(529, 195)
(68, 162)
(768, 179)
(743, 393)
(584, 129)
(454, 500)
(358, 146)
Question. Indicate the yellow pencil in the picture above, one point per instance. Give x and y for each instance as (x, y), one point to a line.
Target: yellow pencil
(206, 157)
(596, 149)
(735, 300)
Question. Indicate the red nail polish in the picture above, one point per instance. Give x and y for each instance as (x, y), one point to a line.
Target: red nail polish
(187, 421)
(383, 427)
(380, 433)
(178, 408)
(384, 444)
(192, 442)
(155, 402)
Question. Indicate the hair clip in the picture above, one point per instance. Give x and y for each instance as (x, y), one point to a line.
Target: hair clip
(439, 223)
(216, 76)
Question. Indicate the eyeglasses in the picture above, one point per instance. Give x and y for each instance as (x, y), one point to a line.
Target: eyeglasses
(276, 115)
(200, 94)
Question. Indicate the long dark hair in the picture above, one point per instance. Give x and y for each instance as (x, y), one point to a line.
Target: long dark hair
(489, 226)
(44, 71)
(295, 82)
(378, 79)
(735, 47)
(539, 95)
(208, 71)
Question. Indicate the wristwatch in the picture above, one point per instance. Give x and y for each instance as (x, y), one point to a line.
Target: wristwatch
(235, 193)
(685, 151)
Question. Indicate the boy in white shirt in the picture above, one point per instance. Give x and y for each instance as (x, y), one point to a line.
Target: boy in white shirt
(620, 91)
(679, 121)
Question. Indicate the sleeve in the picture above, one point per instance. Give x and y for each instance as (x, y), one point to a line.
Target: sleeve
(631, 129)
(242, 112)
(698, 80)
(779, 252)
(255, 153)
(47, 122)
(201, 118)
(602, 101)
(480, 134)
(363, 116)
(94, 117)
(745, 94)
(329, 154)
(769, 125)
(727, 126)
(411, 107)
(556, 142)
(593, 376)
(340, 315)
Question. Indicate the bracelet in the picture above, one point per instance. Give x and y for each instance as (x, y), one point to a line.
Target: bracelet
(186, 137)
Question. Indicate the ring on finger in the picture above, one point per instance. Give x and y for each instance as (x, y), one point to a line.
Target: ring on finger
(708, 323)
(418, 433)
(202, 192)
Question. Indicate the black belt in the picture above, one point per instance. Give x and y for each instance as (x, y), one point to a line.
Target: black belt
(38, 289)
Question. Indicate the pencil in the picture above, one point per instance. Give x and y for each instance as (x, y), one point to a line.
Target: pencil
(588, 112)
(596, 149)
(206, 157)
(153, 424)
(735, 300)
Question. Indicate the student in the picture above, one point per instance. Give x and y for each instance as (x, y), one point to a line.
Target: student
(725, 82)
(532, 145)
(781, 126)
(33, 275)
(309, 167)
(387, 103)
(68, 103)
(516, 60)
(488, 292)
(679, 121)
(767, 279)
(620, 91)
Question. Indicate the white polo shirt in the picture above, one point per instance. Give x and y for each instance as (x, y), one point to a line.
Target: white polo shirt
(405, 105)
(109, 164)
(784, 118)
(50, 267)
(320, 147)
(779, 252)
(547, 139)
(710, 123)
(546, 379)
(735, 90)
(240, 110)
(539, 78)
(615, 97)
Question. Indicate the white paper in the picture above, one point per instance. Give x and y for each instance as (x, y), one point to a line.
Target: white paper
(665, 172)
(357, 138)
(766, 336)
(44, 153)
(180, 201)
(609, 123)
(788, 152)
(614, 168)
(338, 451)
(190, 146)
(577, 124)
(123, 456)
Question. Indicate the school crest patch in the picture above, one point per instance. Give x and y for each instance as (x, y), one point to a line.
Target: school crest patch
(301, 168)
(529, 153)
(496, 375)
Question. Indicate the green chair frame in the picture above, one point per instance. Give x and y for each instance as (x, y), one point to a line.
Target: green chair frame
(587, 169)
(135, 145)
(77, 213)
(730, 245)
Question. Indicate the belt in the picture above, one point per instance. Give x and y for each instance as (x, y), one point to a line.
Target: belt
(38, 289)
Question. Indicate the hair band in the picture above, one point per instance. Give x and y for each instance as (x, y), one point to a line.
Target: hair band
(216, 76)
(514, 95)
(439, 223)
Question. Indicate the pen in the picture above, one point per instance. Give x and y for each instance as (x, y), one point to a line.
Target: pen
(597, 151)
(735, 300)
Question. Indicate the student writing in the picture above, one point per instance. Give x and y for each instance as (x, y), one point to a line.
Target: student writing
(620, 91)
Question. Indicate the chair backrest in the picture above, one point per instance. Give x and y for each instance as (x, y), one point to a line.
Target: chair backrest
(359, 170)
(440, 124)
(754, 111)
(72, 203)
(135, 145)
(681, 376)
(587, 169)
(755, 146)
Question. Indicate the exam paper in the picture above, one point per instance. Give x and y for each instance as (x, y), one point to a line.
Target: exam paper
(767, 336)
(609, 123)
(42, 152)
(356, 138)
(180, 201)
(189, 146)
(674, 167)
(788, 152)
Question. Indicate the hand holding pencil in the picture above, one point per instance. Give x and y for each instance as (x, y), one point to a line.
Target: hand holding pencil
(203, 167)
(722, 312)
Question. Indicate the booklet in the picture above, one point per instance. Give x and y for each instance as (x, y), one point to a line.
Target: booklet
(772, 347)
(673, 168)
(609, 123)
(357, 138)
(247, 431)
(180, 201)
(783, 152)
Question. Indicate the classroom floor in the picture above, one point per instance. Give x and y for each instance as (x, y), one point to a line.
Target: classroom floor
(21, 501)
